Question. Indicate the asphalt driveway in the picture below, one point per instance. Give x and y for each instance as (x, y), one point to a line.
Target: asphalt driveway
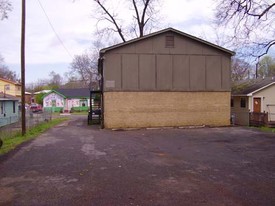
(73, 164)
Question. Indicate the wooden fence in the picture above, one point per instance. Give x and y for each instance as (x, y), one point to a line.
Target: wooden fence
(258, 119)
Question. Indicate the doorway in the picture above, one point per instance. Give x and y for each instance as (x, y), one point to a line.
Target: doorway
(257, 105)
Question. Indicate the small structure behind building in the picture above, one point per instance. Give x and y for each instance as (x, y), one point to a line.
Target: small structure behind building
(253, 102)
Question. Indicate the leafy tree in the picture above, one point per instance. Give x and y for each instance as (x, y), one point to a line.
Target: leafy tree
(251, 23)
(5, 7)
(39, 98)
(266, 67)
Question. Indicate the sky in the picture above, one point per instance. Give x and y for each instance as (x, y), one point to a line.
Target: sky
(68, 29)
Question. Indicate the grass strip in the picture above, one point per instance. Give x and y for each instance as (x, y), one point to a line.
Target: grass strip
(11, 141)
(267, 129)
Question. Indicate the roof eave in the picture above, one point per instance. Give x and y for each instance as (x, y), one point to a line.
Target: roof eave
(257, 90)
(102, 51)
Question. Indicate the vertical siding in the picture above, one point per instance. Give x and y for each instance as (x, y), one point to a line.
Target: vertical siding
(181, 72)
(164, 72)
(147, 70)
(130, 72)
(149, 66)
(112, 71)
(197, 73)
(214, 73)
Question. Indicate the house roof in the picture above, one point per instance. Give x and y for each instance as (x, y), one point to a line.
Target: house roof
(42, 91)
(248, 87)
(7, 97)
(9, 81)
(70, 93)
(164, 31)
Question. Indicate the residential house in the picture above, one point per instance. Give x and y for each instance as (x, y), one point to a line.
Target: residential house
(10, 87)
(67, 100)
(253, 96)
(167, 78)
(42, 93)
(8, 109)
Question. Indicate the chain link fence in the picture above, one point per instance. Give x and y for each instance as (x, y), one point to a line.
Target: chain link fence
(11, 125)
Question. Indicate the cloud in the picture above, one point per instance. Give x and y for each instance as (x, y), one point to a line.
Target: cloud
(74, 24)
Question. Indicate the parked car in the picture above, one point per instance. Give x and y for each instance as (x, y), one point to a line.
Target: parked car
(36, 108)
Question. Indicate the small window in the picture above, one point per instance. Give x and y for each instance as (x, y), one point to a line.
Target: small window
(13, 106)
(243, 103)
(169, 42)
(2, 107)
(232, 102)
(7, 87)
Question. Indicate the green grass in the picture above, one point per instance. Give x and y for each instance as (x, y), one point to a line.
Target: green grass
(80, 113)
(267, 129)
(10, 142)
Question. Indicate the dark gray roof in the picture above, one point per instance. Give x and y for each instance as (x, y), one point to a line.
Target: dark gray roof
(164, 31)
(249, 86)
(70, 93)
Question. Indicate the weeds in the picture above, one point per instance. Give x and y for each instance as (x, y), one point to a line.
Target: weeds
(12, 140)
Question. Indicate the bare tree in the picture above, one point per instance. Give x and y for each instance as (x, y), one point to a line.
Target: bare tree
(5, 7)
(55, 80)
(240, 70)
(142, 12)
(5, 72)
(252, 23)
(84, 68)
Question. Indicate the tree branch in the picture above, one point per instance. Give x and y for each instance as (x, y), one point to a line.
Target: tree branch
(112, 19)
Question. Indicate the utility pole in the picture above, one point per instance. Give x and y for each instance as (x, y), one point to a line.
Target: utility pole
(23, 23)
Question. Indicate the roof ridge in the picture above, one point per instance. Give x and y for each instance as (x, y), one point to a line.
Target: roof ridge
(163, 31)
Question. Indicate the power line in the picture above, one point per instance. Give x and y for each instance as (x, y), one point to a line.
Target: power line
(49, 21)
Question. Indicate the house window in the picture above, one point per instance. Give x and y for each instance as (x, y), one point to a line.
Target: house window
(169, 41)
(243, 102)
(13, 106)
(2, 107)
(7, 87)
(232, 102)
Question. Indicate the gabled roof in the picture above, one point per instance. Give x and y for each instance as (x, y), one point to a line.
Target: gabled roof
(9, 81)
(249, 87)
(72, 93)
(164, 31)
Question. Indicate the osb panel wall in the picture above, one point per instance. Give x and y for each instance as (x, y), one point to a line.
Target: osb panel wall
(149, 66)
(160, 109)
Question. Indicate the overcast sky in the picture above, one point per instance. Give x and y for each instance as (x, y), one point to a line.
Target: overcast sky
(74, 24)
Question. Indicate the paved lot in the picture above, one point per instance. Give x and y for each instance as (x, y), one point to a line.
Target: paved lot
(73, 164)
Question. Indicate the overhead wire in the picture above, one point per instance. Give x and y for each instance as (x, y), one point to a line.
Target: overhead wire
(57, 36)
